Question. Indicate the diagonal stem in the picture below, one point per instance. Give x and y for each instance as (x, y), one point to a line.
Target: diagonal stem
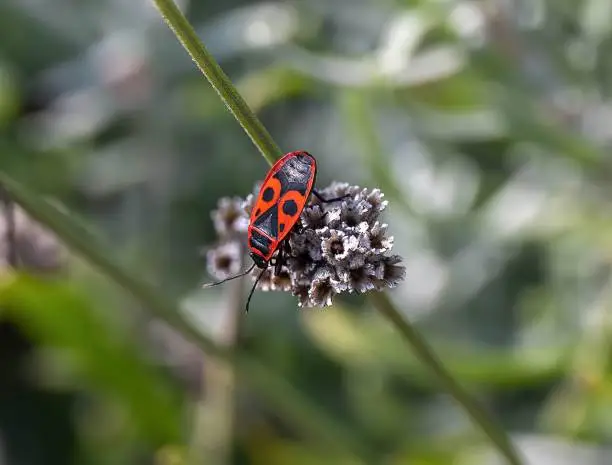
(425, 354)
(218, 79)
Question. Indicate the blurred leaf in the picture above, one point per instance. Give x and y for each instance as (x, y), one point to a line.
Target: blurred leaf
(60, 317)
(271, 85)
(462, 91)
(264, 448)
(170, 455)
(9, 95)
(363, 341)
(359, 113)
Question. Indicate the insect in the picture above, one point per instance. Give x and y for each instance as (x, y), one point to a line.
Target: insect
(281, 199)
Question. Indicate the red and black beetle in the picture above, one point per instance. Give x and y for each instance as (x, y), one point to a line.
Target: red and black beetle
(281, 199)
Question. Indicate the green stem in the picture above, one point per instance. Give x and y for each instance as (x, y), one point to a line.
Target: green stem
(425, 354)
(218, 79)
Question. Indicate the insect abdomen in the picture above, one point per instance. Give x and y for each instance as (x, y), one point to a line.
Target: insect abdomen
(261, 243)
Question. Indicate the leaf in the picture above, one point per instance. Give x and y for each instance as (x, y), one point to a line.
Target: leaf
(60, 317)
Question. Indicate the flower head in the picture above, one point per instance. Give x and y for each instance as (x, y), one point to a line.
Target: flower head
(337, 247)
(322, 288)
(389, 272)
(224, 260)
(229, 218)
(379, 241)
(343, 249)
(313, 217)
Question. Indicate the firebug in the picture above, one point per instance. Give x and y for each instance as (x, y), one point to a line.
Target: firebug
(281, 199)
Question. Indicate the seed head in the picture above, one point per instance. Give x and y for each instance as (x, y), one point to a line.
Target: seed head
(225, 259)
(342, 247)
(229, 218)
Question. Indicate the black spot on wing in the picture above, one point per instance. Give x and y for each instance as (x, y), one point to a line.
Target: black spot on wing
(290, 207)
(268, 194)
(281, 227)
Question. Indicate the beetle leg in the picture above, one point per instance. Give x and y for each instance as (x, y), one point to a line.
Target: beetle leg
(324, 200)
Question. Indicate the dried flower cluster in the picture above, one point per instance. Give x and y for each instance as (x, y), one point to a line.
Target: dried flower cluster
(342, 247)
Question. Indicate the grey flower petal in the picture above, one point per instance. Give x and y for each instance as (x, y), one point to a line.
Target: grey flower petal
(306, 244)
(321, 293)
(229, 217)
(324, 232)
(339, 189)
(353, 213)
(333, 247)
(362, 232)
(378, 266)
(379, 241)
(323, 272)
(376, 199)
(224, 260)
(355, 260)
(322, 289)
(333, 217)
(339, 285)
(392, 272)
(362, 227)
(313, 217)
(359, 280)
(301, 266)
(301, 292)
(344, 250)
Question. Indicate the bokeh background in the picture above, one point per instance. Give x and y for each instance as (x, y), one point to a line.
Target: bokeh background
(486, 124)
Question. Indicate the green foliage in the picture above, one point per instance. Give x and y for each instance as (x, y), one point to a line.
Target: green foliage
(63, 320)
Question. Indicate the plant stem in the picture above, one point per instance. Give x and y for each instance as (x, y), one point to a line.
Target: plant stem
(218, 79)
(425, 354)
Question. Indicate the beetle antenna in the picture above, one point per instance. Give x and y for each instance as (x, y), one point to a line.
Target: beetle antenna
(246, 308)
(239, 275)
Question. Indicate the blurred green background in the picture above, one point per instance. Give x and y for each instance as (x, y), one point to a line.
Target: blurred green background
(486, 124)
